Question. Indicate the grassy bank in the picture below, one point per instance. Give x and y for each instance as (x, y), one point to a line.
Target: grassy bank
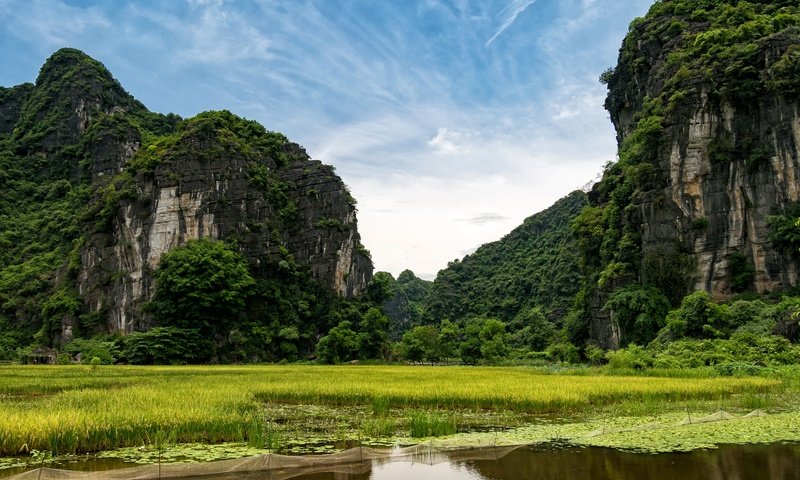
(68, 409)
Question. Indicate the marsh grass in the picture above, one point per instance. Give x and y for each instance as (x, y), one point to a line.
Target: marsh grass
(75, 409)
(379, 427)
(432, 424)
(380, 406)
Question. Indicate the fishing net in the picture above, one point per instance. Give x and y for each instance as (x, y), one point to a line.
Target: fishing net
(355, 461)
(270, 466)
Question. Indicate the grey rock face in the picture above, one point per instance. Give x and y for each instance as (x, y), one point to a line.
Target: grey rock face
(717, 206)
(190, 198)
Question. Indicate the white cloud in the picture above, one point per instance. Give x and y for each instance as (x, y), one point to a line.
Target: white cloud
(56, 24)
(222, 36)
(447, 141)
(511, 12)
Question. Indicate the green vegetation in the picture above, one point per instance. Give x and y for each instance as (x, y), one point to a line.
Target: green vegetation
(403, 299)
(79, 409)
(199, 285)
(44, 176)
(536, 265)
(519, 288)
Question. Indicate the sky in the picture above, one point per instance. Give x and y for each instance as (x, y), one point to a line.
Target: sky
(451, 121)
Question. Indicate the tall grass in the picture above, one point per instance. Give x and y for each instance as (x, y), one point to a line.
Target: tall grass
(430, 424)
(69, 409)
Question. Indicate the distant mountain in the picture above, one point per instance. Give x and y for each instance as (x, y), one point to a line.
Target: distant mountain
(536, 266)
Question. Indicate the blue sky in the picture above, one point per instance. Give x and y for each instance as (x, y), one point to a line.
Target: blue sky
(450, 120)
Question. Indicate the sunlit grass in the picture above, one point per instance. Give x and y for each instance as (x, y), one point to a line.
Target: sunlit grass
(71, 409)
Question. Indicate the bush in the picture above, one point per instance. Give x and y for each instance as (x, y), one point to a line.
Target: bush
(595, 354)
(91, 349)
(339, 345)
(741, 348)
(697, 317)
(639, 312)
(631, 357)
(563, 352)
(165, 346)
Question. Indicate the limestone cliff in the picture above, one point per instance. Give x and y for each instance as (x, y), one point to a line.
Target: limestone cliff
(704, 100)
(137, 184)
(204, 185)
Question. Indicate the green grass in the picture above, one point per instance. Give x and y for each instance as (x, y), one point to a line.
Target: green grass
(430, 424)
(73, 409)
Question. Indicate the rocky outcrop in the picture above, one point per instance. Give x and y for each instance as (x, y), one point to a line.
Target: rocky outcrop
(705, 105)
(189, 198)
(717, 208)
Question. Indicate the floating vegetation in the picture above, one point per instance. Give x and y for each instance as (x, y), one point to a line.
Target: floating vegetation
(674, 432)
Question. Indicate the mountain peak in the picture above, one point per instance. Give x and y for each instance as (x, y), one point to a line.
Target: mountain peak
(65, 62)
(71, 90)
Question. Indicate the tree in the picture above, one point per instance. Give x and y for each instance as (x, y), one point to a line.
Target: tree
(494, 340)
(373, 337)
(697, 317)
(532, 330)
(339, 345)
(200, 285)
(381, 288)
(484, 339)
(448, 339)
(639, 311)
(421, 343)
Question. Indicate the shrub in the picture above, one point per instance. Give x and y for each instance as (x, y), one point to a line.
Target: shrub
(165, 346)
(563, 352)
(595, 354)
(631, 357)
(91, 349)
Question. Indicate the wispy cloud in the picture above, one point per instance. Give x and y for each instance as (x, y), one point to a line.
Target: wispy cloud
(510, 13)
(484, 218)
(445, 143)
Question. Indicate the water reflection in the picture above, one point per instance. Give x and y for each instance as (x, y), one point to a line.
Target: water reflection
(734, 462)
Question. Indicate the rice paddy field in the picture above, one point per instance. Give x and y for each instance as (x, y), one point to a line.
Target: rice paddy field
(80, 409)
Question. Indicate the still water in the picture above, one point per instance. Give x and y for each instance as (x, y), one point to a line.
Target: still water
(733, 462)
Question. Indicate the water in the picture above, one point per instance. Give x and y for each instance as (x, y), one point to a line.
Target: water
(735, 462)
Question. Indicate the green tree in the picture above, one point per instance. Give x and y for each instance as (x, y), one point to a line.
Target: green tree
(494, 340)
(381, 288)
(532, 330)
(421, 343)
(697, 317)
(448, 339)
(163, 346)
(484, 340)
(339, 345)
(200, 285)
(639, 311)
(373, 337)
